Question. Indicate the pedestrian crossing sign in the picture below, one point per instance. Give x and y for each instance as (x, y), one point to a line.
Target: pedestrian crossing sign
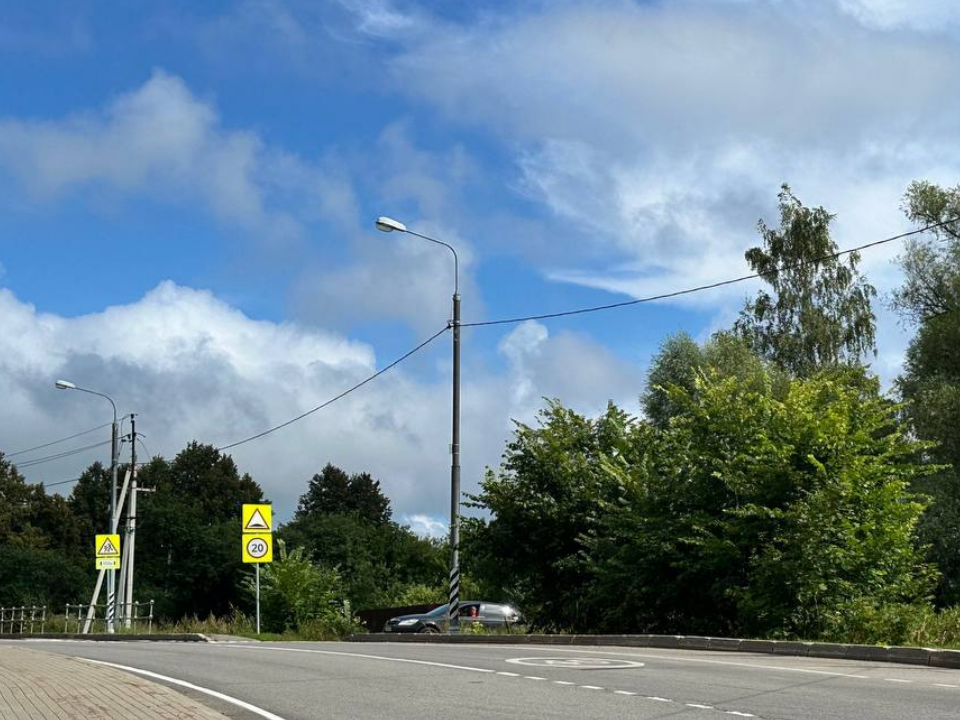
(107, 552)
(258, 518)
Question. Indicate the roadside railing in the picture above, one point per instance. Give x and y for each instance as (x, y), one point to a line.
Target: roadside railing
(139, 615)
(23, 619)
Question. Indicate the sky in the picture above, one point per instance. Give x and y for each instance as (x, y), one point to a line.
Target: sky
(188, 194)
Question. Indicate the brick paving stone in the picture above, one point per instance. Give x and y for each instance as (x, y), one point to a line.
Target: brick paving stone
(42, 686)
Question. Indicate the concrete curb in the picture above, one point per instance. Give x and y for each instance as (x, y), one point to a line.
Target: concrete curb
(103, 637)
(872, 653)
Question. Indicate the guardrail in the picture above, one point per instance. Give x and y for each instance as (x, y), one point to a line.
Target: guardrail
(23, 619)
(76, 615)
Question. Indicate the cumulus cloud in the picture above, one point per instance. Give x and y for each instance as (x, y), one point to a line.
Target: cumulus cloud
(193, 367)
(163, 140)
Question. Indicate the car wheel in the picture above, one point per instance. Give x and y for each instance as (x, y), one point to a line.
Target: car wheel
(430, 629)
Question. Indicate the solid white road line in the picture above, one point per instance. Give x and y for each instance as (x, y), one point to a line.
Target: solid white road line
(364, 656)
(183, 683)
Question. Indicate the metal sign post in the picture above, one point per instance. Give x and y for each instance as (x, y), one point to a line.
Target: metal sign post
(257, 541)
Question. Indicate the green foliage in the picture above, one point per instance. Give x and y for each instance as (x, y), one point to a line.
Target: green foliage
(549, 492)
(681, 362)
(343, 521)
(333, 492)
(761, 515)
(191, 525)
(294, 591)
(33, 576)
(818, 315)
(930, 383)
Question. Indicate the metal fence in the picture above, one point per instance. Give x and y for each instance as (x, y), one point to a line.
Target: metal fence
(139, 616)
(23, 619)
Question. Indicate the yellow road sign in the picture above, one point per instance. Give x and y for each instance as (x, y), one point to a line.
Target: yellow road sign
(257, 548)
(107, 552)
(257, 518)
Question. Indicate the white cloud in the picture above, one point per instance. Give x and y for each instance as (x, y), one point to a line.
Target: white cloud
(426, 526)
(193, 367)
(659, 133)
(164, 141)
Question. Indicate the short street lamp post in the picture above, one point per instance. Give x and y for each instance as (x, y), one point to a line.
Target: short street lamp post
(114, 462)
(386, 224)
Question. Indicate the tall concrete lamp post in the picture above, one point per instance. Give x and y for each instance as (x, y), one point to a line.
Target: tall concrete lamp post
(114, 462)
(385, 224)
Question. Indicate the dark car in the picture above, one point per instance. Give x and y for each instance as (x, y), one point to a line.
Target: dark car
(490, 615)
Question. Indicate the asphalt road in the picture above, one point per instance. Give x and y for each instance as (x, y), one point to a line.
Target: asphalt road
(305, 681)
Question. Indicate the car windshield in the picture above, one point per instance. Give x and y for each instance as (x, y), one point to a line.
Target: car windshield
(437, 612)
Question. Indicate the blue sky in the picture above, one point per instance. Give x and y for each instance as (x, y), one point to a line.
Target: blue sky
(187, 195)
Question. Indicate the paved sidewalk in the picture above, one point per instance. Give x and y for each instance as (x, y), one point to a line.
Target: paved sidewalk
(37, 686)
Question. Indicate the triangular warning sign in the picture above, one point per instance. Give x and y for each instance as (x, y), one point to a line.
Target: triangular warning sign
(256, 522)
(108, 548)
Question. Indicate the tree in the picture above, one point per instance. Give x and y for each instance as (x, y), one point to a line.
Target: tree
(343, 522)
(761, 515)
(295, 591)
(548, 493)
(191, 525)
(681, 362)
(332, 491)
(818, 313)
(929, 299)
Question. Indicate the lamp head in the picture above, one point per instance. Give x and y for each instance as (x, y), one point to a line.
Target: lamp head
(65, 385)
(385, 224)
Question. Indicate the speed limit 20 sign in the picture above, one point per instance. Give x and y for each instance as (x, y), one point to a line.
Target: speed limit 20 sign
(258, 548)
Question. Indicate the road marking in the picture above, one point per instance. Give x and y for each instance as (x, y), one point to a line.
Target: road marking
(693, 660)
(367, 657)
(532, 677)
(896, 680)
(943, 685)
(183, 683)
(577, 663)
(656, 699)
(623, 692)
(508, 674)
(738, 713)
(699, 707)
(562, 682)
(591, 687)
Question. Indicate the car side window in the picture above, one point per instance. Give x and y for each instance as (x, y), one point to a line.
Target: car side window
(493, 612)
(468, 611)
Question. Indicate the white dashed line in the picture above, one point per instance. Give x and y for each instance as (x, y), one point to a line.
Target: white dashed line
(943, 685)
(699, 707)
(657, 699)
(591, 687)
(532, 677)
(738, 714)
(509, 674)
(563, 682)
(897, 680)
(623, 692)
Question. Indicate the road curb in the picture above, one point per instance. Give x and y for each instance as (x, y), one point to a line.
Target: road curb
(104, 637)
(871, 653)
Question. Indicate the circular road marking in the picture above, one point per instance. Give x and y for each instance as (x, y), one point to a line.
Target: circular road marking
(577, 663)
(256, 548)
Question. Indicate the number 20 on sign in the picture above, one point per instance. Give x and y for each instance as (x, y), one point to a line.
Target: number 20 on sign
(258, 548)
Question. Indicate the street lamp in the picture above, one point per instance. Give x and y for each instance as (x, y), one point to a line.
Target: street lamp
(386, 224)
(114, 462)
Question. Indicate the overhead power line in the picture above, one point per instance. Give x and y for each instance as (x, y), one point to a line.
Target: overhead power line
(342, 395)
(58, 456)
(711, 286)
(57, 442)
